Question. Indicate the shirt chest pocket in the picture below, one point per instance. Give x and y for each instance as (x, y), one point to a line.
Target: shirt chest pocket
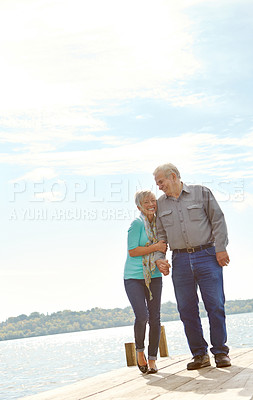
(196, 212)
(166, 217)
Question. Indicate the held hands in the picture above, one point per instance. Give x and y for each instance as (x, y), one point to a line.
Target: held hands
(222, 258)
(163, 266)
(162, 246)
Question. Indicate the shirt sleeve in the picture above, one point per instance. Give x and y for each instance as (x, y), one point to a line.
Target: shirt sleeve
(134, 233)
(161, 235)
(217, 220)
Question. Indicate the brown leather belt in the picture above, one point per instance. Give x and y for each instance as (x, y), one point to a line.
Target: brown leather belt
(194, 249)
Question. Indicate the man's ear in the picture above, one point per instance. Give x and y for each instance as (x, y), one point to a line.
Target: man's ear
(174, 176)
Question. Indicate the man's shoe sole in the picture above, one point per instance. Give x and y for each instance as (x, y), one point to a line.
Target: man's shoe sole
(223, 365)
(206, 364)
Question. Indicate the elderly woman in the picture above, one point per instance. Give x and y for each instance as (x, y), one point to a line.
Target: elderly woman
(143, 280)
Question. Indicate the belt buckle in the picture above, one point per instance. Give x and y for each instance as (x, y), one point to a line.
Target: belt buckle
(190, 250)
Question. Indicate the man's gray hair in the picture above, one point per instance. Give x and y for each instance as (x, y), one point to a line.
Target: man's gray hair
(140, 196)
(167, 169)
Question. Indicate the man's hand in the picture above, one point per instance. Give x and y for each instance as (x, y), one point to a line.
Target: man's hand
(222, 258)
(162, 246)
(163, 266)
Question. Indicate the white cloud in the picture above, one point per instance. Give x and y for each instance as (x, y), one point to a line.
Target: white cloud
(243, 140)
(198, 153)
(143, 116)
(47, 131)
(37, 175)
(59, 125)
(64, 54)
(191, 99)
(245, 203)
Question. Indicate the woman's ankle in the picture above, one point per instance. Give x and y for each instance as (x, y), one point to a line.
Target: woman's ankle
(141, 358)
(151, 363)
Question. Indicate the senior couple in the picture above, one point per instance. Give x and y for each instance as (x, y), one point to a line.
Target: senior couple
(190, 221)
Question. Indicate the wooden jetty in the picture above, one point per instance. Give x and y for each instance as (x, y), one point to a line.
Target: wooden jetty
(173, 382)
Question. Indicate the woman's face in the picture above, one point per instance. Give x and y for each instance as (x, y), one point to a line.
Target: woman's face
(149, 206)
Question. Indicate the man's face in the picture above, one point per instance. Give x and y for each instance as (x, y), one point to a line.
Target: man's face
(167, 185)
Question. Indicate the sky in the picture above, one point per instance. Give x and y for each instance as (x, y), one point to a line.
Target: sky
(94, 96)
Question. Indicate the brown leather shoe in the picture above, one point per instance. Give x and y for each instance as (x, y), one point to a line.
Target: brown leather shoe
(222, 360)
(199, 362)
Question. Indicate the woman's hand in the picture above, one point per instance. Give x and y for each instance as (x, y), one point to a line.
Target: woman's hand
(162, 246)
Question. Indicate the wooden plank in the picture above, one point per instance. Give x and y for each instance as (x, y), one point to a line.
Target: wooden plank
(88, 386)
(211, 379)
(177, 383)
(172, 378)
(196, 384)
(240, 385)
(103, 382)
(144, 387)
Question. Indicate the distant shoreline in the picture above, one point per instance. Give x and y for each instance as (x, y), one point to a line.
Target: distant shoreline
(67, 321)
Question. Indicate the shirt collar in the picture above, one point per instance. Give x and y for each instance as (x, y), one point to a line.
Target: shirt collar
(185, 188)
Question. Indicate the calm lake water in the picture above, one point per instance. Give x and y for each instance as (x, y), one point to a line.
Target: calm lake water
(29, 366)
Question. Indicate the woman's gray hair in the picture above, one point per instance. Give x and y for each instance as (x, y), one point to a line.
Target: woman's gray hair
(167, 169)
(140, 196)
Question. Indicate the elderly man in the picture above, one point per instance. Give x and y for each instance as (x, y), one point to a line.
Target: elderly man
(191, 221)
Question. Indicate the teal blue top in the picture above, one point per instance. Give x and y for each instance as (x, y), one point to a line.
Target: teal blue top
(136, 237)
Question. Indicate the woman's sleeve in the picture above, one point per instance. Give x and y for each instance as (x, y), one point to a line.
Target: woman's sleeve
(134, 232)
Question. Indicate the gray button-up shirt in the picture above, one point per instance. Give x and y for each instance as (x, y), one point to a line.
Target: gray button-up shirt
(193, 219)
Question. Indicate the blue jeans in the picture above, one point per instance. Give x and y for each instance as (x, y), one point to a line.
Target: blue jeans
(190, 271)
(145, 310)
